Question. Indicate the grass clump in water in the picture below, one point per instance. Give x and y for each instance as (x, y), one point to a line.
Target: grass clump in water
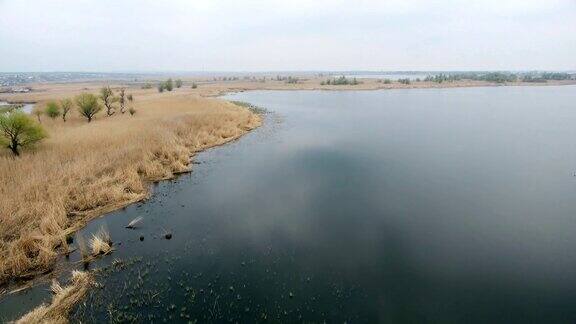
(63, 301)
(251, 107)
(101, 242)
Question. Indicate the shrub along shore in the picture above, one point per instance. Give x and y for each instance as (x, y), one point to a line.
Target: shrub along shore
(82, 156)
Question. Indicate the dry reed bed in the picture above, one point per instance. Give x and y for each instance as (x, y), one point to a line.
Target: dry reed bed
(86, 169)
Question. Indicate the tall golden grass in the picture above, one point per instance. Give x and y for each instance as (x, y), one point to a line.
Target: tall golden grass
(85, 169)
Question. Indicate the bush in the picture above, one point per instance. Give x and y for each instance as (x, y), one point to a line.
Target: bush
(88, 105)
(160, 87)
(169, 85)
(178, 83)
(52, 110)
(132, 111)
(194, 85)
(19, 131)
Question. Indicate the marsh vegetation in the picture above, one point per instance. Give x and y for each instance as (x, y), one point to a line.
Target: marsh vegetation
(83, 169)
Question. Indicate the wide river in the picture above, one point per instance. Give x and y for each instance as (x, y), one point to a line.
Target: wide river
(419, 205)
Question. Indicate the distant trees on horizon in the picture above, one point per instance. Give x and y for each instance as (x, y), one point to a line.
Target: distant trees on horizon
(168, 85)
(342, 80)
(499, 77)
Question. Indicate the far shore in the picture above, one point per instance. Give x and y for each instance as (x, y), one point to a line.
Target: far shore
(210, 88)
(219, 88)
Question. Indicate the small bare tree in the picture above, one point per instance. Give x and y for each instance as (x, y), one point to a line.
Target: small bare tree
(107, 97)
(131, 109)
(38, 112)
(66, 106)
(122, 100)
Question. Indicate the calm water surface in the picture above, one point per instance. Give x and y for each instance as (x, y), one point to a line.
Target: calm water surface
(431, 205)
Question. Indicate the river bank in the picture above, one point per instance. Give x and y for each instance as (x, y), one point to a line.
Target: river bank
(219, 88)
(84, 170)
(207, 87)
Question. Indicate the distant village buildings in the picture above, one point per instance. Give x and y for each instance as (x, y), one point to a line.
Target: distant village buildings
(15, 90)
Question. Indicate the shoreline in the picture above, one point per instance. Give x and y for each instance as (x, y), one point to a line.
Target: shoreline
(218, 89)
(81, 288)
(208, 88)
(173, 167)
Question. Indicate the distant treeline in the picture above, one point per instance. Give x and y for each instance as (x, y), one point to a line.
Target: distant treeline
(287, 79)
(340, 81)
(500, 77)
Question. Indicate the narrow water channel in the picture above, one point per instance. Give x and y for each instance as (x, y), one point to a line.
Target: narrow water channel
(27, 108)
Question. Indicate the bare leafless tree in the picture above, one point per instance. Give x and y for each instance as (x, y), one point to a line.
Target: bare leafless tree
(107, 97)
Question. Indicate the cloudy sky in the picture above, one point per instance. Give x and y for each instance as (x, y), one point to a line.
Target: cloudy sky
(249, 35)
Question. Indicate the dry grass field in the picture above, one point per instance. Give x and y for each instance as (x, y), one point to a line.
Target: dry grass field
(83, 170)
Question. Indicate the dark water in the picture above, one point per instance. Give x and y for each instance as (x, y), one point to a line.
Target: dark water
(438, 205)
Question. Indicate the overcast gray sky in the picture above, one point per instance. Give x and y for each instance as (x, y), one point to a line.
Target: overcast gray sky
(237, 35)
